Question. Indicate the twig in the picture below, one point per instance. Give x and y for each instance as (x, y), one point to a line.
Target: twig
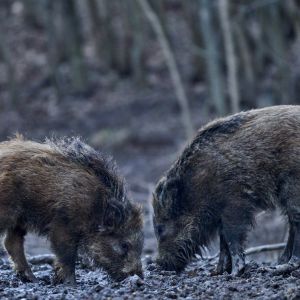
(257, 249)
(42, 259)
(263, 248)
(171, 63)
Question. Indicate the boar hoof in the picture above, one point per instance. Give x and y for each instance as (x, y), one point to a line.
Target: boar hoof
(215, 272)
(287, 268)
(221, 269)
(283, 259)
(238, 270)
(61, 277)
(26, 276)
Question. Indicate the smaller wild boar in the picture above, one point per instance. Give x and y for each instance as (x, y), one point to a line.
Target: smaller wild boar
(70, 193)
(234, 167)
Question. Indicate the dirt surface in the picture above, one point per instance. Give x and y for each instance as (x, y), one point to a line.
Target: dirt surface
(194, 283)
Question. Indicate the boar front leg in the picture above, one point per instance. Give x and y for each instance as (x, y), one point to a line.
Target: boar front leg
(235, 244)
(235, 226)
(65, 249)
(14, 244)
(288, 250)
(224, 264)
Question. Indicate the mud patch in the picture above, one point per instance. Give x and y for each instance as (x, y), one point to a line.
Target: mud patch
(194, 283)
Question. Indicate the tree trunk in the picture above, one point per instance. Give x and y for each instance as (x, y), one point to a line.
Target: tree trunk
(11, 77)
(170, 59)
(215, 80)
(230, 55)
(74, 42)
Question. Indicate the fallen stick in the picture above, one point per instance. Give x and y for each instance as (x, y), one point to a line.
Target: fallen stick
(42, 259)
(257, 249)
(263, 248)
(49, 258)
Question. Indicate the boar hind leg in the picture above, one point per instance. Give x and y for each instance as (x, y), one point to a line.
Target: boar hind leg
(14, 244)
(293, 246)
(288, 251)
(65, 250)
(224, 264)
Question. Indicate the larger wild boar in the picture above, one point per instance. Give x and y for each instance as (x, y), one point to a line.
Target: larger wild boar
(68, 192)
(234, 167)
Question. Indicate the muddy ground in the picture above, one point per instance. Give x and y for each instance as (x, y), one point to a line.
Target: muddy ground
(194, 283)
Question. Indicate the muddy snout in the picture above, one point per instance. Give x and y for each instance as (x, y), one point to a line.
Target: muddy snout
(170, 263)
(133, 269)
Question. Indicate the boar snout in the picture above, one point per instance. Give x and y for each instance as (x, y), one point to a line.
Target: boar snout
(133, 269)
(171, 264)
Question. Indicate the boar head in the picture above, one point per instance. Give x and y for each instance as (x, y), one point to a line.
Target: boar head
(117, 244)
(175, 225)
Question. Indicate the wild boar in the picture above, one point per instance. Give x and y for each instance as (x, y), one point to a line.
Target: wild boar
(234, 167)
(70, 193)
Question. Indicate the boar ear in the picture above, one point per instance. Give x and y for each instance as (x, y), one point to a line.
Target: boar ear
(173, 189)
(154, 199)
(114, 215)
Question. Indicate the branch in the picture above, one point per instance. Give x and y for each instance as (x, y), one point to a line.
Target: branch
(42, 259)
(257, 249)
(171, 63)
(263, 248)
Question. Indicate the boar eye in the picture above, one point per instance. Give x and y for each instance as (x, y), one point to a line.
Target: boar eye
(125, 247)
(160, 229)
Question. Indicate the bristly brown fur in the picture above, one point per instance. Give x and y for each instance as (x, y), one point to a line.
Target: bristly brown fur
(233, 168)
(69, 192)
(105, 168)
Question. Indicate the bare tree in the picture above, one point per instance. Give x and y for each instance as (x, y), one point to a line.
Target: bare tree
(11, 76)
(215, 81)
(190, 10)
(244, 54)
(74, 42)
(53, 43)
(229, 55)
(173, 68)
(137, 27)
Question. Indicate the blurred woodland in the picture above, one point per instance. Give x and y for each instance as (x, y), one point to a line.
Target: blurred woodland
(244, 53)
(137, 77)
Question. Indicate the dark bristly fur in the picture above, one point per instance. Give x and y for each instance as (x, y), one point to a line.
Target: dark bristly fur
(104, 167)
(234, 167)
(69, 192)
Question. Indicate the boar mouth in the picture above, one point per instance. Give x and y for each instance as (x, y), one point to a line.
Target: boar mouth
(171, 264)
(115, 271)
(116, 276)
(181, 254)
(120, 276)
